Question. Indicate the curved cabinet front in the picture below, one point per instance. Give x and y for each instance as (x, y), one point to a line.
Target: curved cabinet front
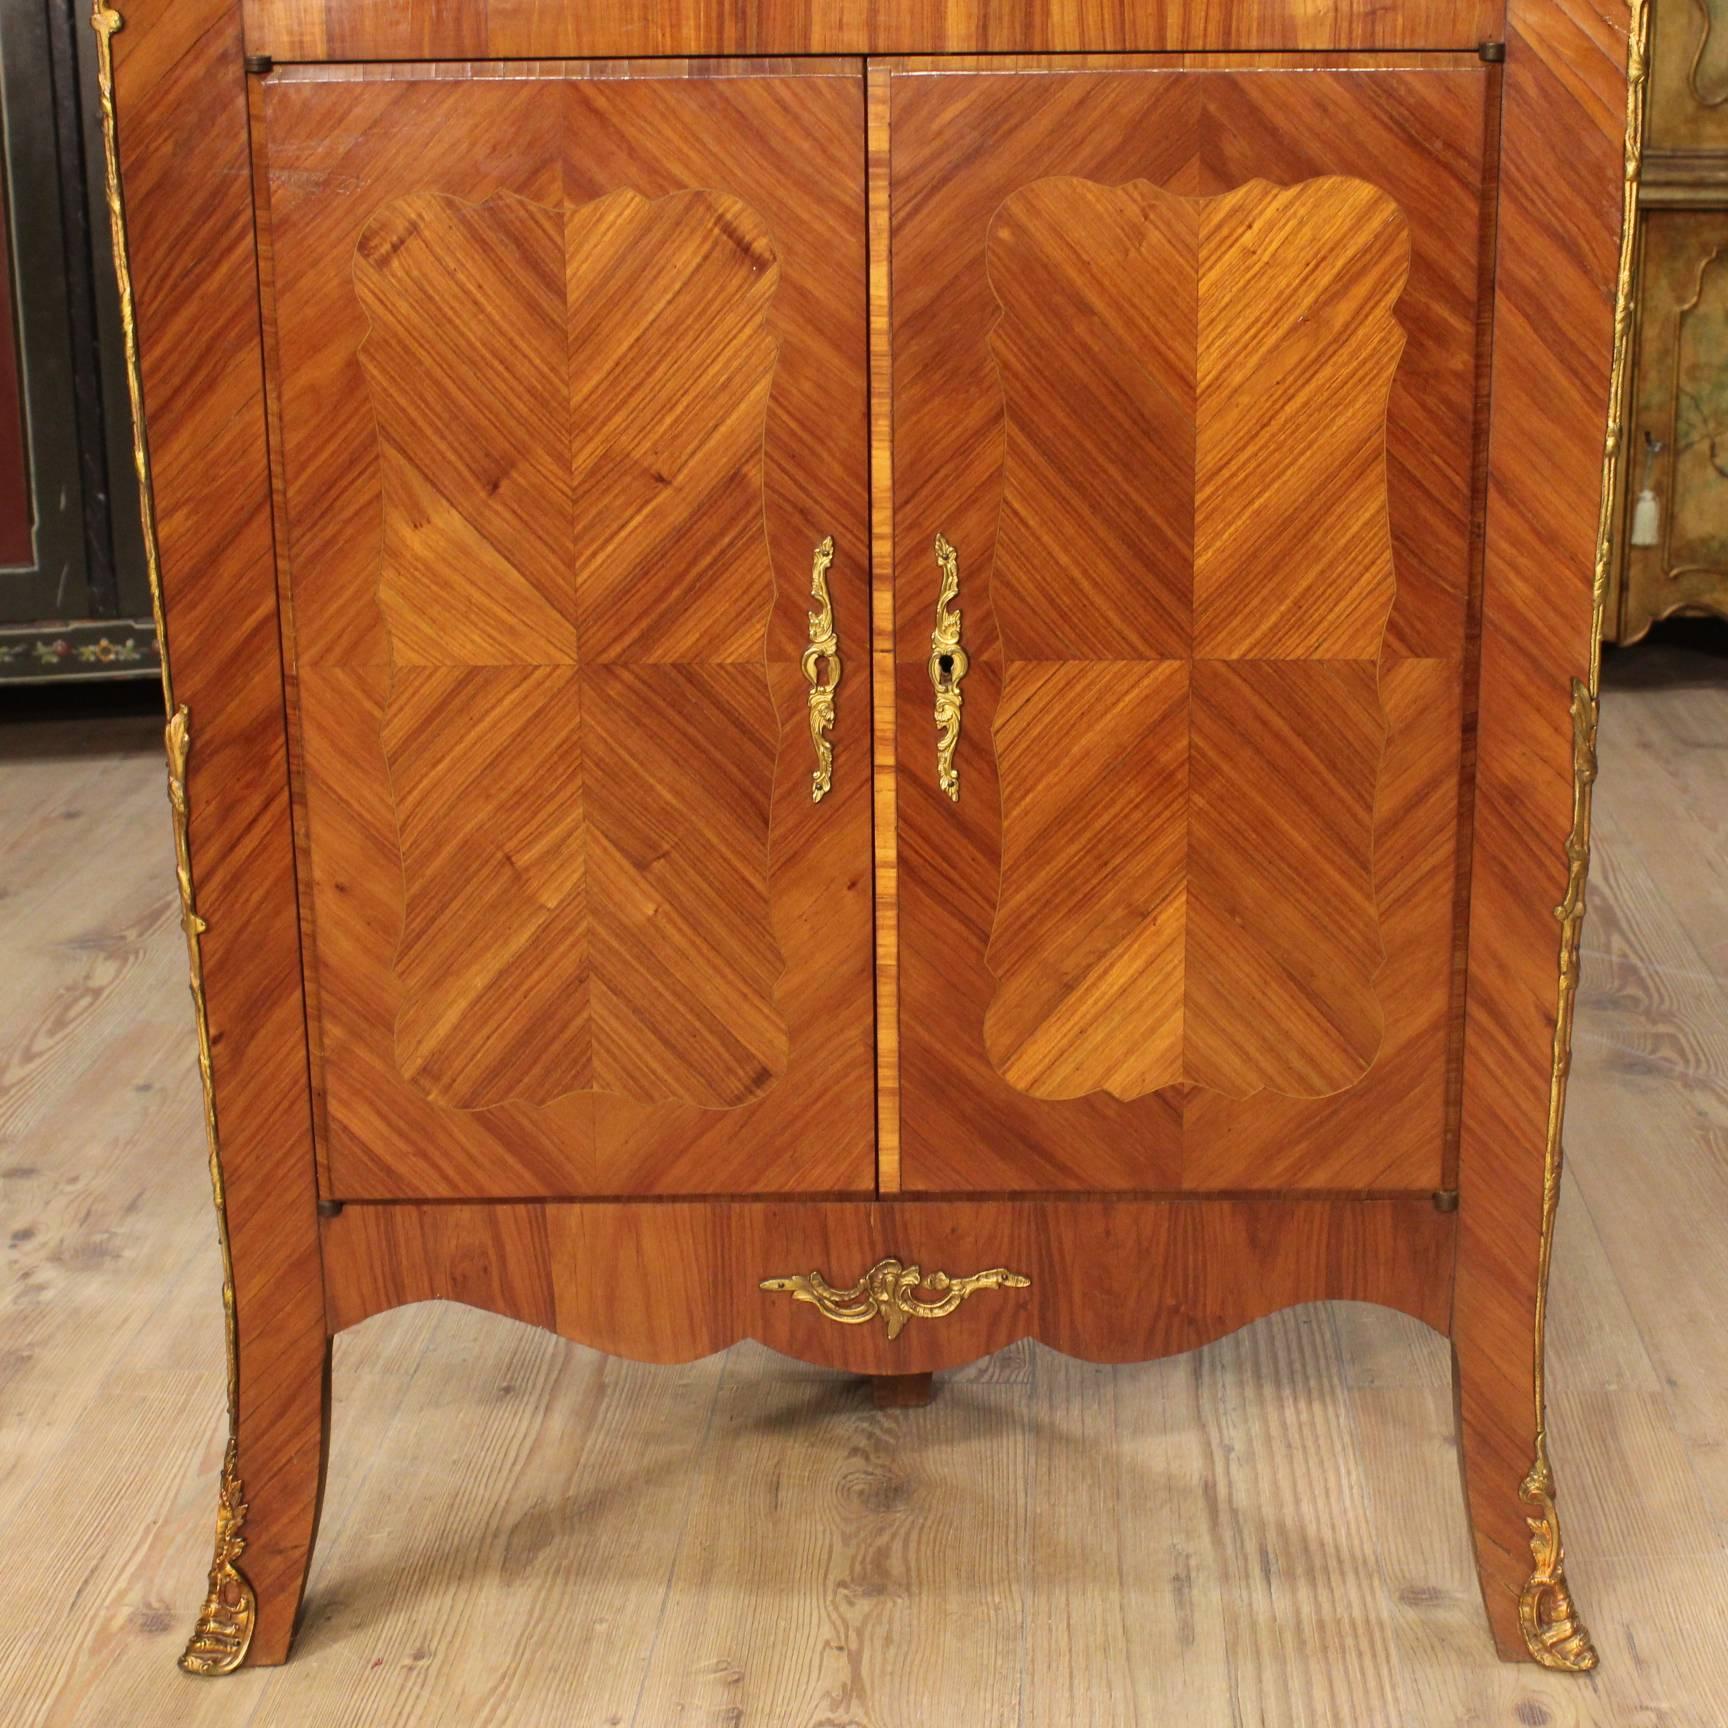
(1165, 377)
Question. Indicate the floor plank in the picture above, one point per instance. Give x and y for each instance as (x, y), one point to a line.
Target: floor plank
(1269, 1531)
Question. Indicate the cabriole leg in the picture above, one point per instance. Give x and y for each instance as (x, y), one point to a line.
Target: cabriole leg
(268, 1501)
(1510, 1494)
(1508, 1480)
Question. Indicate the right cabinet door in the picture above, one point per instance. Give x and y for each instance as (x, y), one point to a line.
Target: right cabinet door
(1188, 365)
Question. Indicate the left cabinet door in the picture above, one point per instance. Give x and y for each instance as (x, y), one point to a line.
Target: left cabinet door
(569, 390)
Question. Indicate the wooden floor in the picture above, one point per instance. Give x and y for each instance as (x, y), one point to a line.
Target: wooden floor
(519, 1531)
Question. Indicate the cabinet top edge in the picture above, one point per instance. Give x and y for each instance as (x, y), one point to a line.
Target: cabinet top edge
(364, 30)
(638, 68)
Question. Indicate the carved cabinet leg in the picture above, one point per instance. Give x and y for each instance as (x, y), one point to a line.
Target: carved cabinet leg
(1510, 1494)
(250, 1014)
(1500, 1306)
(276, 1343)
(1499, 1324)
(900, 1391)
(268, 1501)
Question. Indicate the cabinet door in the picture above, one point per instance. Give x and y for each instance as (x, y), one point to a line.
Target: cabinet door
(1185, 374)
(570, 396)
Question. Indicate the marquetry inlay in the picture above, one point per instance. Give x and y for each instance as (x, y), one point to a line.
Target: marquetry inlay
(575, 581)
(1191, 729)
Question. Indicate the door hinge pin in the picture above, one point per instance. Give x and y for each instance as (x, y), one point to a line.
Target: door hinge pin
(259, 63)
(1492, 52)
(1445, 1199)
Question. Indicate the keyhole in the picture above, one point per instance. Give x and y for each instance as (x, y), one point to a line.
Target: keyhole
(945, 665)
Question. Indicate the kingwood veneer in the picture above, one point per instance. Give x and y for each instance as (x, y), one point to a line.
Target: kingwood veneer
(1174, 919)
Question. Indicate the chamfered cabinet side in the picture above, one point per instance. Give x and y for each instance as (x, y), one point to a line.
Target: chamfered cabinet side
(1571, 154)
(185, 250)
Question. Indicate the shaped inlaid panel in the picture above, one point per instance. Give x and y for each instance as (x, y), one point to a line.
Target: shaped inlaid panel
(576, 585)
(1190, 733)
(1091, 922)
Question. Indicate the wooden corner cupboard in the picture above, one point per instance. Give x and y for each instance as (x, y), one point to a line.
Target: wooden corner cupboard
(929, 681)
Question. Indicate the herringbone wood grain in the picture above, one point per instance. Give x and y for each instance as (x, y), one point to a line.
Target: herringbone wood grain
(1199, 345)
(1121, 287)
(574, 579)
(559, 437)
